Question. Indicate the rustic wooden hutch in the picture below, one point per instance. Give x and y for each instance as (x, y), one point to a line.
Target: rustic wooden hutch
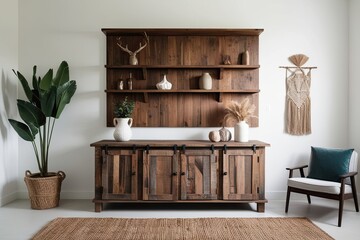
(179, 170)
(183, 55)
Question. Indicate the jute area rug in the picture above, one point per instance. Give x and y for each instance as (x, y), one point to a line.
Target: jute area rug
(181, 228)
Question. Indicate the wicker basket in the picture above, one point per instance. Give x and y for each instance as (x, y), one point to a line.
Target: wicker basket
(44, 192)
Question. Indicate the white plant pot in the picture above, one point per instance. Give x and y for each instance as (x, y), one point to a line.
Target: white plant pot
(122, 131)
(241, 132)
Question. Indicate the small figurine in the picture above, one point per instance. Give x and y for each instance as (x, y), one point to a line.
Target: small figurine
(227, 60)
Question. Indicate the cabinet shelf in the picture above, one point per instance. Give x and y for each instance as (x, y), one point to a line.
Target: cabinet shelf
(190, 91)
(183, 91)
(220, 68)
(182, 66)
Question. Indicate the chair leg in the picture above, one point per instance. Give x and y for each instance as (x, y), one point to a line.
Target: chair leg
(341, 206)
(287, 200)
(356, 201)
(308, 198)
(353, 188)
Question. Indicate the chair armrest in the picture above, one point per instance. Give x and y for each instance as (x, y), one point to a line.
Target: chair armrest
(301, 169)
(304, 166)
(349, 174)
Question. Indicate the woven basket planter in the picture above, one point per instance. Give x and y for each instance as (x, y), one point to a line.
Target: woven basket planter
(44, 192)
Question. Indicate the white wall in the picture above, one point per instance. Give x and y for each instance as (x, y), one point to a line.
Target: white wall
(354, 78)
(50, 31)
(8, 89)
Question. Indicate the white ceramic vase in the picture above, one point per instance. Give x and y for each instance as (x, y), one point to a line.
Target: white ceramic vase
(122, 131)
(164, 84)
(205, 81)
(241, 132)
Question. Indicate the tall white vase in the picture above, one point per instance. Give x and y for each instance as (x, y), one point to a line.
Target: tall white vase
(122, 131)
(241, 132)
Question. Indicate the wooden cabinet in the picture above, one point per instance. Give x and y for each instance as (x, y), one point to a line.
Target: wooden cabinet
(179, 171)
(183, 55)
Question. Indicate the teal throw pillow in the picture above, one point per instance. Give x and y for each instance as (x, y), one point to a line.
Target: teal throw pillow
(328, 164)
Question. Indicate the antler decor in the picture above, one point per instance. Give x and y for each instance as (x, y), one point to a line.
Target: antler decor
(132, 58)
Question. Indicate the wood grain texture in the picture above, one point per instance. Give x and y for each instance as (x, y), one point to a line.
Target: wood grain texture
(183, 55)
(199, 174)
(160, 179)
(242, 177)
(119, 175)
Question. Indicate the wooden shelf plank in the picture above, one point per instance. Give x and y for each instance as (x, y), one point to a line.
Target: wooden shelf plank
(178, 142)
(183, 91)
(182, 32)
(182, 66)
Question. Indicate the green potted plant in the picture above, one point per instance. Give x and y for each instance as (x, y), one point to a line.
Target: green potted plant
(44, 105)
(123, 121)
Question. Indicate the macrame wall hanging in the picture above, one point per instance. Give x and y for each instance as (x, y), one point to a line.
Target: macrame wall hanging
(298, 104)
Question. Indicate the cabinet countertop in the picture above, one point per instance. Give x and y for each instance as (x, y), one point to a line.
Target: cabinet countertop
(179, 143)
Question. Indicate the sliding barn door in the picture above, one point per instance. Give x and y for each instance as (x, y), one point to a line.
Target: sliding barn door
(160, 172)
(199, 174)
(120, 175)
(241, 169)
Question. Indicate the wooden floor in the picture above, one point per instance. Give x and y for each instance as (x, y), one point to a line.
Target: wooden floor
(18, 221)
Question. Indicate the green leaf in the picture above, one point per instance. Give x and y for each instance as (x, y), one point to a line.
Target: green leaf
(64, 95)
(31, 114)
(62, 74)
(34, 80)
(22, 130)
(47, 101)
(24, 84)
(47, 81)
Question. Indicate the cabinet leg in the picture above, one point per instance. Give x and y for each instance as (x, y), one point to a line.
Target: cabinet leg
(260, 207)
(98, 207)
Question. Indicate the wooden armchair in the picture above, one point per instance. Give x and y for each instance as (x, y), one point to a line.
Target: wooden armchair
(339, 190)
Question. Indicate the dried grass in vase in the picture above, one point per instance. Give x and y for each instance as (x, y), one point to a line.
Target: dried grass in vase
(237, 112)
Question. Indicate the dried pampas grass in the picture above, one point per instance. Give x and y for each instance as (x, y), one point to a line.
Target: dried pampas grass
(298, 59)
(236, 112)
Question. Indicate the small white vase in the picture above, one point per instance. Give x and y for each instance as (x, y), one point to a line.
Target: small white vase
(205, 81)
(164, 84)
(122, 131)
(241, 132)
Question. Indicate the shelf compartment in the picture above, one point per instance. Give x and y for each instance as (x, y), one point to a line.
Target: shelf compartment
(219, 92)
(145, 68)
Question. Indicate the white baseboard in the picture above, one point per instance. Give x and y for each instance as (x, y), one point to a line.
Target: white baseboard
(8, 198)
(270, 196)
(63, 195)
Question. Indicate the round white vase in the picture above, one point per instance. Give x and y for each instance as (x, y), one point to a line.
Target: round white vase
(164, 84)
(122, 131)
(205, 81)
(241, 132)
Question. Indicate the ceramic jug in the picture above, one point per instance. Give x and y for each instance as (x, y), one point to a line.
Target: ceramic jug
(122, 131)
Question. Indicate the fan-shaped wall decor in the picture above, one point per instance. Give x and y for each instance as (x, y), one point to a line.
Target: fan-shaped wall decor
(298, 59)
